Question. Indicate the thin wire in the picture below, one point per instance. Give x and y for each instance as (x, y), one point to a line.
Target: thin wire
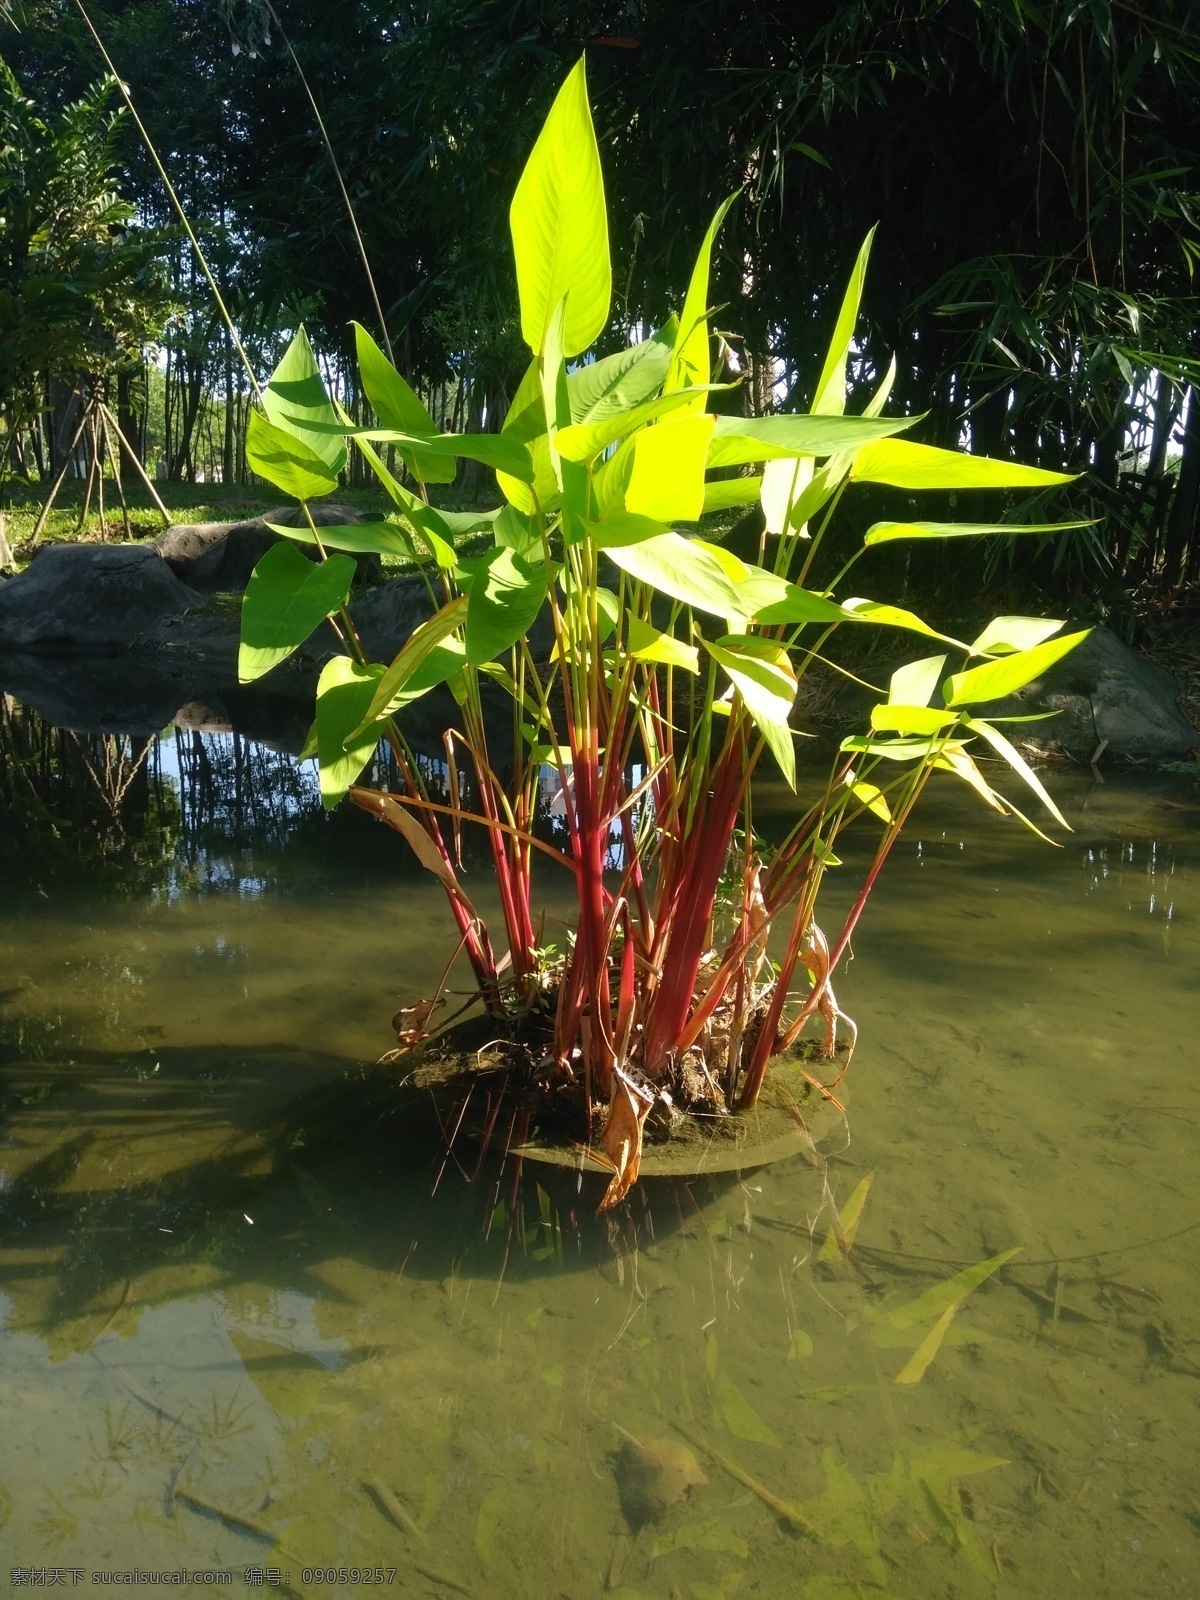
(175, 200)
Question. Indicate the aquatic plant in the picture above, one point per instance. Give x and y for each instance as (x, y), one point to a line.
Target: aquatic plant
(666, 680)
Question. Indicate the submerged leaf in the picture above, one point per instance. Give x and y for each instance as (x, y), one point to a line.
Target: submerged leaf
(915, 1368)
(943, 1295)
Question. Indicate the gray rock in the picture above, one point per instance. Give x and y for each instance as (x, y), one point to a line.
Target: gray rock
(218, 557)
(1105, 694)
(92, 596)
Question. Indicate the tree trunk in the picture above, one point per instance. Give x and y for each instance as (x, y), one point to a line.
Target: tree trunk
(1181, 523)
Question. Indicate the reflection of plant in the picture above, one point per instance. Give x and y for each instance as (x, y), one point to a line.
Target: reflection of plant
(671, 672)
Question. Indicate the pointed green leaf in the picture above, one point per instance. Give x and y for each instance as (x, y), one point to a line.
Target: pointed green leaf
(889, 532)
(1006, 635)
(667, 479)
(761, 672)
(496, 450)
(892, 718)
(995, 679)
(1018, 763)
(583, 441)
(875, 801)
(286, 461)
(648, 644)
(691, 361)
(906, 465)
(914, 683)
(344, 692)
(287, 597)
(560, 226)
(358, 538)
(505, 599)
(674, 566)
(801, 605)
(883, 616)
(600, 389)
(421, 644)
(397, 406)
(936, 1301)
(722, 494)
(830, 398)
(295, 401)
(738, 440)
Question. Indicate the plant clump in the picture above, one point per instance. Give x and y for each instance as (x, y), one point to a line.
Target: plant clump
(695, 955)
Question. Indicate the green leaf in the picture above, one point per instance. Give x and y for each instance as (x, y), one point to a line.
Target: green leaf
(1005, 635)
(622, 528)
(691, 361)
(801, 605)
(287, 597)
(914, 683)
(286, 461)
(344, 692)
(295, 399)
(995, 679)
(739, 1415)
(667, 479)
(778, 738)
(762, 673)
(722, 494)
(648, 644)
(830, 398)
(875, 801)
(359, 538)
(496, 450)
(674, 566)
(600, 389)
(884, 616)
(1017, 762)
(397, 406)
(905, 465)
(560, 225)
(421, 644)
(889, 532)
(505, 599)
(936, 1301)
(737, 440)
(583, 441)
(892, 718)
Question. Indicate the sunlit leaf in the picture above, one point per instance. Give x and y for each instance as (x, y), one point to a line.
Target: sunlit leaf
(691, 360)
(1018, 763)
(914, 683)
(737, 440)
(673, 565)
(906, 465)
(885, 616)
(996, 679)
(648, 644)
(721, 494)
(583, 441)
(560, 225)
(891, 718)
(358, 538)
(1004, 635)
(667, 477)
(613, 384)
(873, 798)
(889, 532)
(420, 645)
(761, 671)
(830, 397)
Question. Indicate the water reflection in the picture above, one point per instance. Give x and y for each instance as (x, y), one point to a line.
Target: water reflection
(245, 1327)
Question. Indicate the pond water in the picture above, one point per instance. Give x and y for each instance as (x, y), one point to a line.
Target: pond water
(253, 1321)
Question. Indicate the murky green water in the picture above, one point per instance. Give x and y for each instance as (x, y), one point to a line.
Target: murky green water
(252, 1316)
